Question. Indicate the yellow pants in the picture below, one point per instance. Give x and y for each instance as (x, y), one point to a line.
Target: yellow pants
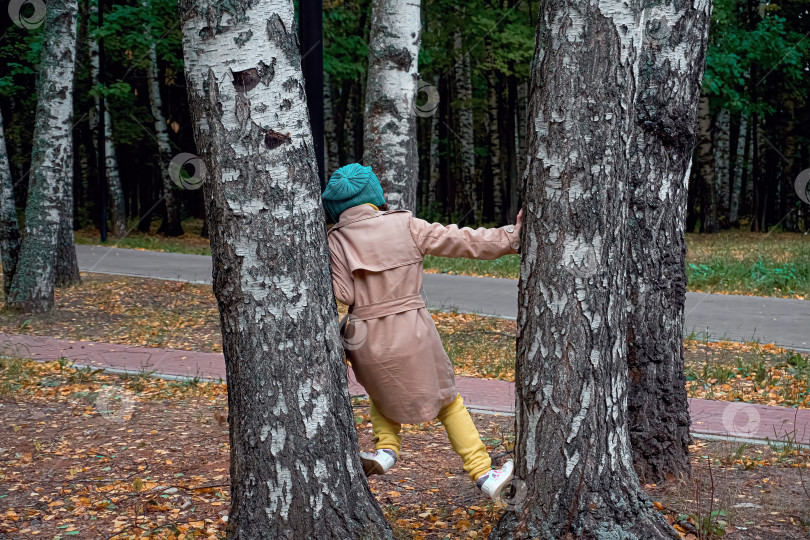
(460, 429)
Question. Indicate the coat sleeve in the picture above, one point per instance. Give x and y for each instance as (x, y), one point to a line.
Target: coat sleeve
(342, 279)
(452, 241)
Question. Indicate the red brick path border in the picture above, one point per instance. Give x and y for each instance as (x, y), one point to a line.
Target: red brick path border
(741, 420)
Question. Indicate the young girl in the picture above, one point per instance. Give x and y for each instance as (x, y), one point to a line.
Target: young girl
(391, 341)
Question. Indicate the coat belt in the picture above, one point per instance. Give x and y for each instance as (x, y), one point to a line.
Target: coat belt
(388, 307)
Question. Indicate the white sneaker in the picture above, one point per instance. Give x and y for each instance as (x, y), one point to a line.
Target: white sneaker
(493, 482)
(379, 462)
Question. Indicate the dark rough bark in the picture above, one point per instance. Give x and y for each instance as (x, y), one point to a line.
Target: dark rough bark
(295, 470)
(672, 61)
(573, 455)
(67, 265)
(389, 143)
(9, 228)
(51, 162)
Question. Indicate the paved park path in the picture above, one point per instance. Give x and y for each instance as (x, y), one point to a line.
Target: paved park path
(720, 316)
(742, 421)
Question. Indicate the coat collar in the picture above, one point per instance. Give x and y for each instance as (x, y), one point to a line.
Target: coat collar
(356, 213)
(360, 211)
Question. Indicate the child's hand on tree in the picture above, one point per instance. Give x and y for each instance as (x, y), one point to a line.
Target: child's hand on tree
(520, 218)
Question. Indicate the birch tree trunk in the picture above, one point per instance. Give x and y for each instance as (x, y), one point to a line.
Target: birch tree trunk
(739, 167)
(721, 164)
(295, 470)
(67, 265)
(172, 226)
(467, 206)
(573, 455)
(389, 139)
(9, 228)
(708, 199)
(51, 162)
(672, 55)
(117, 206)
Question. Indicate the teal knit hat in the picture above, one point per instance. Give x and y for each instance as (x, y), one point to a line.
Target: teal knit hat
(349, 186)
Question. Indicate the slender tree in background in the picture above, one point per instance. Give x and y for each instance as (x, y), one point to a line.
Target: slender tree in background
(389, 140)
(737, 175)
(117, 205)
(9, 228)
(466, 196)
(672, 59)
(295, 470)
(171, 226)
(573, 446)
(708, 185)
(721, 136)
(51, 162)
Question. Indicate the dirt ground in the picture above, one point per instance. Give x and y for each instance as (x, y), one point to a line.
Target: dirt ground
(103, 461)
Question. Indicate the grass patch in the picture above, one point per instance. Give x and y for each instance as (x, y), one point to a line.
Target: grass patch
(774, 264)
(191, 242)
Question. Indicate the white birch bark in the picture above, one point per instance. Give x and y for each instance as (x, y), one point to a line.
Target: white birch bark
(389, 139)
(9, 228)
(295, 471)
(51, 161)
(117, 204)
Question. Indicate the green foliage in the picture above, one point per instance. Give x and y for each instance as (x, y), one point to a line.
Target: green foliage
(773, 50)
(345, 52)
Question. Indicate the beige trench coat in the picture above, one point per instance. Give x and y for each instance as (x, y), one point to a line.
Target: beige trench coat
(390, 339)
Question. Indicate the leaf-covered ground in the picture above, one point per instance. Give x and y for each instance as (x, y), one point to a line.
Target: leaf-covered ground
(89, 454)
(174, 315)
